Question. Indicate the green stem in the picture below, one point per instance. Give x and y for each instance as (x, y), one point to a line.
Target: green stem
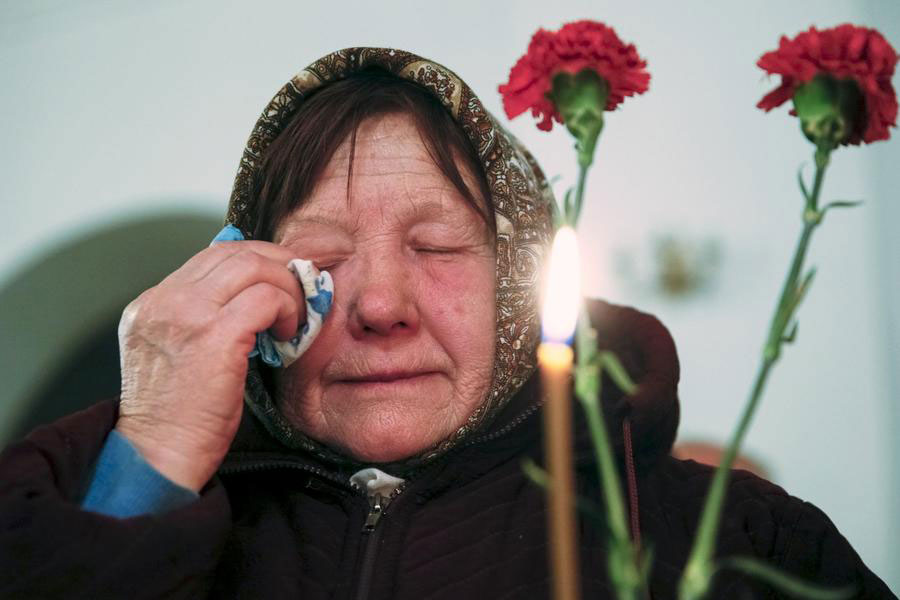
(591, 402)
(606, 468)
(623, 560)
(783, 311)
(624, 567)
(698, 572)
(821, 158)
(579, 193)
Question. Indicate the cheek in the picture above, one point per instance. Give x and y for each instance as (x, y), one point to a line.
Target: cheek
(323, 348)
(460, 300)
(303, 375)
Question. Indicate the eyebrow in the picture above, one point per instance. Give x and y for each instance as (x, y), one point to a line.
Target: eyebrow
(320, 219)
(292, 228)
(428, 209)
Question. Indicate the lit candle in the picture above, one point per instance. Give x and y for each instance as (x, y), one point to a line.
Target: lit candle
(562, 301)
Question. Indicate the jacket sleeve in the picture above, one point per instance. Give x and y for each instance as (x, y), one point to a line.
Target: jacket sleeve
(123, 484)
(50, 547)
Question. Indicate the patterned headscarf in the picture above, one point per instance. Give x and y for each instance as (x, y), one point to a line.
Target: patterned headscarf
(522, 201)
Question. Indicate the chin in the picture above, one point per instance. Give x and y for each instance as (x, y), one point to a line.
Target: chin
(385, 446)
(374, 425)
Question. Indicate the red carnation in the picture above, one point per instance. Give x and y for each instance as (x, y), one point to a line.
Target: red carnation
(843, 53)
(576, 46)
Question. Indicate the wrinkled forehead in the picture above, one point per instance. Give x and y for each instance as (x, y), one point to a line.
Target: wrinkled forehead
(519, 192)
(383, 146)
(386, 172)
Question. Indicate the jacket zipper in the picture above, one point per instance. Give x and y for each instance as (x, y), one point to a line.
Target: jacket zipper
(263, 465)
(370, 530)
(372, 533)
(377, 503)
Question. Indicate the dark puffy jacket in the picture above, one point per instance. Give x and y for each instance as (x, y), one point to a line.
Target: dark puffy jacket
(276, 524)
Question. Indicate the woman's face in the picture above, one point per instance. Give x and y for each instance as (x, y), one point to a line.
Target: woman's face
(406, 354)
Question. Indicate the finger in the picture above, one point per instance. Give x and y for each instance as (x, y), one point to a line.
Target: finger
(245, 268)
(259, 307)
(267, 249)
(199, 265)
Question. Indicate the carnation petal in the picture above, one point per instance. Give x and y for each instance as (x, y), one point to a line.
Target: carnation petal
(776, 97)
(574, 47)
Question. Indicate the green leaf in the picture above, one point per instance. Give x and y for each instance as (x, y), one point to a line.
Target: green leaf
(797, 297)
(646, 561)
(541, 478)
(802, 184)
(789, 584)
(792, 334)
(842, 204)
(556, 215)
(803, 288)
(587, 381)
(617, 372)
(587, 367)
(585, 340)
(535, 473)
(567, 206)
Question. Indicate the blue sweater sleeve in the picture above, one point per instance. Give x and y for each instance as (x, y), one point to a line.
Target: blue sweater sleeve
(125, 485)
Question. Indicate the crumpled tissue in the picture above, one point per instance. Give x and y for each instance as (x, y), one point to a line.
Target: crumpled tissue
(318, 289)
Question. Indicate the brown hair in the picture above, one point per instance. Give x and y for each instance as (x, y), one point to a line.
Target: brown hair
(294, 161)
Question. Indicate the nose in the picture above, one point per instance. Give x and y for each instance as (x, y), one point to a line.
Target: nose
(384, 302)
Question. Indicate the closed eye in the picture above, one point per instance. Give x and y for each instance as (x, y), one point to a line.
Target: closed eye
(327, 264)
(436, 250)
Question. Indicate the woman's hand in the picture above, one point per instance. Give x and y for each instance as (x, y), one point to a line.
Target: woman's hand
(184, 346)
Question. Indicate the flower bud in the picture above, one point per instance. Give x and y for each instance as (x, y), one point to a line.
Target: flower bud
(840, 82)
(580, 100)
(831, 111)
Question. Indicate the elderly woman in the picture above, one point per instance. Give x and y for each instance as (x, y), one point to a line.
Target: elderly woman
(385, 462)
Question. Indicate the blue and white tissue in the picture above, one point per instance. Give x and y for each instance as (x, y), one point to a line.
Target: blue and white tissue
(318, 289)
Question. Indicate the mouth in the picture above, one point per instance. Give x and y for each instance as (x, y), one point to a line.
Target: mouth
(388, 377)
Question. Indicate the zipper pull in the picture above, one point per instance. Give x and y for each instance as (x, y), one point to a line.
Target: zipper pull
(376, 509)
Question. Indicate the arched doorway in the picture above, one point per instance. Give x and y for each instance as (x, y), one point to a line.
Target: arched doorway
(60, 313)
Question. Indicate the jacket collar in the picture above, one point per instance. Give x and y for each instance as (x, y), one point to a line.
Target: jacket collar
(641, 342)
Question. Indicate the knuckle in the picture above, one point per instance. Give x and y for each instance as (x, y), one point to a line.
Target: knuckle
(173, 311)
(214, 254)
(250, 259)
(135, 310)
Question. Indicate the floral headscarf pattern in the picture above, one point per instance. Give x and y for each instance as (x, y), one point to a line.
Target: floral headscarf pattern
(522, 201)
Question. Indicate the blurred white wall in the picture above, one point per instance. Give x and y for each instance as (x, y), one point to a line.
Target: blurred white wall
(109, 106)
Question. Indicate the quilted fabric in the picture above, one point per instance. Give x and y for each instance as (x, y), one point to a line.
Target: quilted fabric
(278, 523)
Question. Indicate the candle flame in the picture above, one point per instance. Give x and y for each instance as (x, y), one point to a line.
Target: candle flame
(562, 291)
